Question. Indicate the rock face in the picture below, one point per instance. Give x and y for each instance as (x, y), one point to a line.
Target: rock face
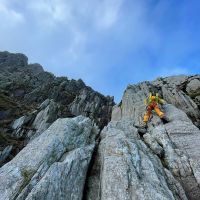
(161, 162)
(44, 155)
(183, 92)
(22, 83)
(129, 169)
(32, 99)
(53, 165)
(175, 90)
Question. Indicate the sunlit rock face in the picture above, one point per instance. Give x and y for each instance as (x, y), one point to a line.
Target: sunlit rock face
(162, 161)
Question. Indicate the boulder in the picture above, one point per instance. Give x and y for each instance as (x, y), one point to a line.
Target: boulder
(193, 87)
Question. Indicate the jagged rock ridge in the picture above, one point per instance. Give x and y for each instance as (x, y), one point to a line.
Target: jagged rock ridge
(32, 99)
(25, 83)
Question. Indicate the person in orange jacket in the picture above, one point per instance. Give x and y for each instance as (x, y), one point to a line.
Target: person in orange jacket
(152, 103)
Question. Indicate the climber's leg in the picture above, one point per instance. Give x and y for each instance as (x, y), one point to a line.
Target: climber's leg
(147, 115)
(158, 111)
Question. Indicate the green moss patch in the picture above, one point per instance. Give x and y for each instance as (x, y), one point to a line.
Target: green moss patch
(27, 175)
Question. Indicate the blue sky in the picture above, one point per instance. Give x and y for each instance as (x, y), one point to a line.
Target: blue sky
(107, 43)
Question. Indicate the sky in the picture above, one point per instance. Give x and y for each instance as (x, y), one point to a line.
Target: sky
(107, 43)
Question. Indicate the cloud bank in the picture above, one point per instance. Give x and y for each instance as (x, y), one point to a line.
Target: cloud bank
(107, 43)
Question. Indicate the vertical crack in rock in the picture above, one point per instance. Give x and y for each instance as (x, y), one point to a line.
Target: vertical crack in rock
(92, 183)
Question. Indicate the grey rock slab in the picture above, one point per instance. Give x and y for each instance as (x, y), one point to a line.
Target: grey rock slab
(186, 136)
(44, 104)
(129, 169)
(18, 122)
(62, 136)
(65, 179)
(193, 87)
(116, 113)
(179, 139)
(44, 118)
(182, 101)
(183, 132)
(5, 153)
(175, 140)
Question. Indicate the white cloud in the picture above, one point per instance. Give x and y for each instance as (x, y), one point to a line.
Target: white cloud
(9, 18)
(79, 19)
(49, 13)
(97, 40)
(76, 45)
(107, 13)
(101, 14)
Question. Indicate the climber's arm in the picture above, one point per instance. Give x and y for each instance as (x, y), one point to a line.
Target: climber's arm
(161, 101)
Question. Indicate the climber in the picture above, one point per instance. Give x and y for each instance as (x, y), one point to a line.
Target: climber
(152, 103)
